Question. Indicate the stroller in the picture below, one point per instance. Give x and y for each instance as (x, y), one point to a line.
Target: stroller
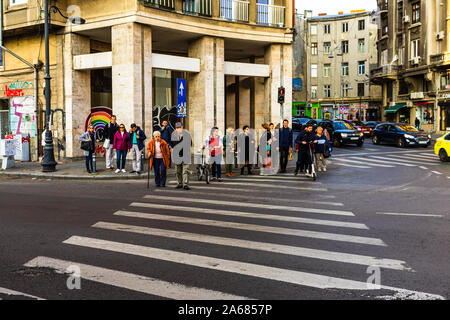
(203, 169)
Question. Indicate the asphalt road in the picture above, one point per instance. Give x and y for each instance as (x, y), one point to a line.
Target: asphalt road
(369, 228)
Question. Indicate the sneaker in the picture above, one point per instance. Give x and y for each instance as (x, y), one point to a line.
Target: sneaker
(220, 179)
(231, 175)
(124, 171)
(187, 188)
(319, 169)
(295, 173)
(118, 170)
(138, 172)
(324, 169)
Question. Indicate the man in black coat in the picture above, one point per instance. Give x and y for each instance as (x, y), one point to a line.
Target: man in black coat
(285, 144)
(109, 132)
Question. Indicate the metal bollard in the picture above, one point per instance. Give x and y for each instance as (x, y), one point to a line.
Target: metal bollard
(94, 163)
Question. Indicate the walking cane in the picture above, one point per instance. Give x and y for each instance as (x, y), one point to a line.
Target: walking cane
(148, 174)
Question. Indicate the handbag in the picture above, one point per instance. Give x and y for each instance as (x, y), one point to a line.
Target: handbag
(291, 156)
(86, 145)
(327, 151)
(107, 143)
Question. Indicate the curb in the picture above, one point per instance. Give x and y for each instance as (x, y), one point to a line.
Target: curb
(76, 177)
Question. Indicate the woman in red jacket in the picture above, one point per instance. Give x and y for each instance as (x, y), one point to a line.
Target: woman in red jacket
(121, 147)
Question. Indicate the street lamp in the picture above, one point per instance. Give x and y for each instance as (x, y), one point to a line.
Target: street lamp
(48, 161)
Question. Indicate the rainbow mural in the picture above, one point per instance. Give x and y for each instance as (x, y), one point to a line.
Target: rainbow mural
(99, 118)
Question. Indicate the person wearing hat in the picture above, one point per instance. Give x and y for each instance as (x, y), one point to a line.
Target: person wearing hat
(182, 167)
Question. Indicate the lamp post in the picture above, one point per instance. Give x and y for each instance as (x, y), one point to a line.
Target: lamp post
(48, 161)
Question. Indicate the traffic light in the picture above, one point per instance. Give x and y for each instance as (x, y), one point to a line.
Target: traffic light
(281, 93)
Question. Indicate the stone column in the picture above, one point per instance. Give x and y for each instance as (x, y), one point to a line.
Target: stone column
(279, 57)
(132, 75)
(215, 8)
(206, 89)
(77, 93)
(252, 12)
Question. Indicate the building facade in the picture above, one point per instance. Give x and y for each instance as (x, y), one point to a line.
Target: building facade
(140, 60)
(413, 66)
(299, 67)
(340, 54)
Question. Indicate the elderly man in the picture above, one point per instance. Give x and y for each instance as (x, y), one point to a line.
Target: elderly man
(159, 157)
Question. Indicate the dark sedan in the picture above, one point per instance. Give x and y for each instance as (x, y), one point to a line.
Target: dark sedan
(401, 135)
(346, 133)
(361, 126)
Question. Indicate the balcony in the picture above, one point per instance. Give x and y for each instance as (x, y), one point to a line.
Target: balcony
(234, 10)
(197, 7)
(384, 71)
(270, 15)
(440, 59)
(383, 6)
(160, 4)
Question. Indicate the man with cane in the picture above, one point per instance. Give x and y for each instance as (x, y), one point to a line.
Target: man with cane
(159, 157)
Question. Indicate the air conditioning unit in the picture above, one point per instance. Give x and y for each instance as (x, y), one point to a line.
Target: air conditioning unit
(440, 35)
(415, 60)
(405, 19)
(416, 95)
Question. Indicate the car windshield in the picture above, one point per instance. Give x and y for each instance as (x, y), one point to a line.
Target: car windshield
(357, 123)
(405, 127)
(343, 126)
(303, 121)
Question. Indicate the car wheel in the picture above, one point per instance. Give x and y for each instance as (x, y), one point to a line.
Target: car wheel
(336, 142)
(443, 156)
(400, 143)
(375, 140)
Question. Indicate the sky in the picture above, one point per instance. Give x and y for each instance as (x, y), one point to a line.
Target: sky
(334, 6)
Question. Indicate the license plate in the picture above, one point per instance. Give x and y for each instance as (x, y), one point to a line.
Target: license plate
(422, 142)
(355, 138)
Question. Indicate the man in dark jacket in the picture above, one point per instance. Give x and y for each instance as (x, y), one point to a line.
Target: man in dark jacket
(304, 139)
(181, 140)
(285, 144)
(109, 132)
(166, 132)
(136, 144)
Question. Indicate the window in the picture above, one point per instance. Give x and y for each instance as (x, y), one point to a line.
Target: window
(361, 24)
(362, 45)
(346, 89)
(345, 27)
(1, 58)
(415, 48)
(314, 70)
(384, 57)
(314, 92)
(345, 68)
(327, 47)
(313, 29)
(314, 48)
(326, 70)
(327, 91)
(416, 12)
(445, 81)
(400, 56)
(361, 89)
(14, 2)
(327, 29)
(344, 46)
(361, 67)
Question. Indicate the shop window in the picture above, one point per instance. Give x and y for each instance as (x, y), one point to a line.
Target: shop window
(4, 118)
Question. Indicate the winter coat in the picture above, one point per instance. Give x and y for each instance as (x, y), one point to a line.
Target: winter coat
(110, 131)
(121, 143)
(86, 137)
(164, 150)
(166, 134)
(306, 137)
(322, 143)
(140, 141)
(285, 137)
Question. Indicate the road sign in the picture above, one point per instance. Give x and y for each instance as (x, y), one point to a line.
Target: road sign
(343, 109)
(181, 98)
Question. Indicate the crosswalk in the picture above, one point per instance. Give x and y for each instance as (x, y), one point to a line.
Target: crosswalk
(371, 160)
(202, 233)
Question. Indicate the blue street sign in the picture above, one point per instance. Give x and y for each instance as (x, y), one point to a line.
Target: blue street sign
(181, 98)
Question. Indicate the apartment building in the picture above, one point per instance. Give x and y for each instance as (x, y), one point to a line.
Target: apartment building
(299, 66)
(204, 62)
(340, 54)
(413, 66)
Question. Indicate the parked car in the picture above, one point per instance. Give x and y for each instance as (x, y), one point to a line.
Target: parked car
(361, 126)
(346, 133)
(372, 124)
(298, 123)
(442, 147)
(328, 125)
(401, 135)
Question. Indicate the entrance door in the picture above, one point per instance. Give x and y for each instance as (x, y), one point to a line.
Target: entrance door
(4, 118)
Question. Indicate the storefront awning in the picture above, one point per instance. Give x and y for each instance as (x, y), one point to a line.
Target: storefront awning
(395, 108)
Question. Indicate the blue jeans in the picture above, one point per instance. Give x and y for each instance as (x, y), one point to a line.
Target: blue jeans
(160, 172)
(217, 167)
(89, 166)
(123, 155)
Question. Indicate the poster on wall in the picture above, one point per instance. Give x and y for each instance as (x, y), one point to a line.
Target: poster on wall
(22, 116)
(99, 118)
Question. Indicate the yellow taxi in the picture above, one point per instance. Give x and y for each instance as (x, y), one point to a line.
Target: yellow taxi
(442, 147)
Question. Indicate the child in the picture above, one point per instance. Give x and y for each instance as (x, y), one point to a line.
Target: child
(322, 143)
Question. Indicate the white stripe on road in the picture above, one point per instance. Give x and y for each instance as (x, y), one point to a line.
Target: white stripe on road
(271, 180)
(349, 165)
(365, 163)
(252, 215)
(253, 205)
(436, 172)
(410, 214)
(414, 160)
(422, 157)
(260, 185)
(236, 267)
(261, 246)
(424, 168)
(277, 176)
(255, 227)
(386, 162)
(128, 281)
(317, 201)
(399, 160)
(17, 293)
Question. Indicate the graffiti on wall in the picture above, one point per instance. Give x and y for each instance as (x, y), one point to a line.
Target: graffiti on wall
(99, 118)
(12, 92)
(161, 113)
(22, 116)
